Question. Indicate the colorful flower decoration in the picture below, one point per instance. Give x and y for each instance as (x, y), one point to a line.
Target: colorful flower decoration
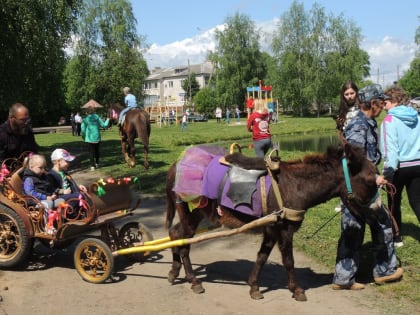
(3, 173)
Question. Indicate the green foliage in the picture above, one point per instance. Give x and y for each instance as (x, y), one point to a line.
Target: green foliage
(238, 61)
(107, 56)
(315, 54)
(190, 86)
(34, 34)
(410, 81)
(204, 100)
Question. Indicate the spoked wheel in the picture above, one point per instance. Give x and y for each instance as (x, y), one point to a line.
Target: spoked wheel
(15, 244)
(131, 234)
(93, 260)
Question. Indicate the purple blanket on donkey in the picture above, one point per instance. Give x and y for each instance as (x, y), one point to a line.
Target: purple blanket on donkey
(199, 174)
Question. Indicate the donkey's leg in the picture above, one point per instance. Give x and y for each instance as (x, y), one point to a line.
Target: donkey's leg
(174, 233)
(286, 248)
(184, 229)
(262, 256)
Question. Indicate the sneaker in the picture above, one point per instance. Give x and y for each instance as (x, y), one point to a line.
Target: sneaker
(396, 276)
(92, 168)
(354, 286)
(398, 241)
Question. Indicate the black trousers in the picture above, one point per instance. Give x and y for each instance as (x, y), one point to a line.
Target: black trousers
(408, 177)
(94, 153)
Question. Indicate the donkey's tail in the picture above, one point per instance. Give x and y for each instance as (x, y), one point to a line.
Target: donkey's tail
(170, 196)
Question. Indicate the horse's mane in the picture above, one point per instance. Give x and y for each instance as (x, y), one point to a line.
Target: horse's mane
(116, 106)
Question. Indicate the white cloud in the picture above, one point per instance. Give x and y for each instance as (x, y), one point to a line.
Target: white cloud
(389, 58)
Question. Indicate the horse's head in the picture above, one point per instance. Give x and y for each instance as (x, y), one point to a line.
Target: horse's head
(114, 111)
(360, 179)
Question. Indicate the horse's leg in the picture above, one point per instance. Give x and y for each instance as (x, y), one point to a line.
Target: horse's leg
(286, 248)
(129, 155)
(262, 256)
(124, 145)
(181, 255)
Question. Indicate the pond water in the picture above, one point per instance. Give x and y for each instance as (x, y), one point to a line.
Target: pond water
(312, 142)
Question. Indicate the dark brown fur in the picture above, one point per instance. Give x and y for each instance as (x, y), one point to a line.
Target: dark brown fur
(136, 125)
(303, 184)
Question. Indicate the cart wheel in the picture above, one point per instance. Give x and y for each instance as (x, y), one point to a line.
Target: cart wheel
(132, 233)
(15, 244)
(93, 260)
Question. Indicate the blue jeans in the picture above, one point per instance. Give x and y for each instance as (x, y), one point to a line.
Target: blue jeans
(351, 239)
(122, 113)
(262, 146)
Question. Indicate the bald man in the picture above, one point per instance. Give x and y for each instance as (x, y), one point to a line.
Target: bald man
(16, 134)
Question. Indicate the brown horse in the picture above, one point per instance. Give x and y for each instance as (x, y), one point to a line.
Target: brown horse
(302, 184)
(136, 125)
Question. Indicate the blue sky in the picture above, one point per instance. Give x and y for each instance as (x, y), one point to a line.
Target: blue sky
(182, 31)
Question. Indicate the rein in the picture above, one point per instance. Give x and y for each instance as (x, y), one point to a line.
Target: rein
(391, 191)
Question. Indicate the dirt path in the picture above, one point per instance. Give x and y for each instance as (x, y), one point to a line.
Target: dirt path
(52, 286)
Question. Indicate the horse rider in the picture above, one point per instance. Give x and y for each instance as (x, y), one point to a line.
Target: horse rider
(130, 101)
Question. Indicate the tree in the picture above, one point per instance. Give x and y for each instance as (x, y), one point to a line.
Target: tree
(108, 52)
(205, 100)
(410, 81)
(314, 55)
(237, 59)
(190, 86)
(32, 58)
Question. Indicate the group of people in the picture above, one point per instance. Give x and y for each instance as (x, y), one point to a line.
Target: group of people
(398, 143)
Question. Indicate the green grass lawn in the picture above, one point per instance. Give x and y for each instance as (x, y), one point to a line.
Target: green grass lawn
(168, 142)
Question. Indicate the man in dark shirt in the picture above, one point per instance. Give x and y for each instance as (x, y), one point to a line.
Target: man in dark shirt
(16, 134)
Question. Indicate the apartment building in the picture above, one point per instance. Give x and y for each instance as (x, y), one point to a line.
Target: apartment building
(163, 87)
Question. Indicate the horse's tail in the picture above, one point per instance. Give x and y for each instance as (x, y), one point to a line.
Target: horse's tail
(170, 196)
(143, 128)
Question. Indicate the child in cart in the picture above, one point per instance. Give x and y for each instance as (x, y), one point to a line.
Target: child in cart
(36, 184)
(64, 184)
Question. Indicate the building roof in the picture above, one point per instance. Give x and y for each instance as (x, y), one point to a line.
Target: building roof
(180, 71)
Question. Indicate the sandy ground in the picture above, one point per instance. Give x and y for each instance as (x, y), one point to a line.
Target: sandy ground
(51, 285)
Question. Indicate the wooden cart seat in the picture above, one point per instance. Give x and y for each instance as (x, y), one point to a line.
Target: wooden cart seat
(118, 196)
(16, 181)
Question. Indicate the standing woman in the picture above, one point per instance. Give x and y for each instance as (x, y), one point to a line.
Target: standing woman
(349, 104)
(400, 146)
(258, 124)
(91, 134)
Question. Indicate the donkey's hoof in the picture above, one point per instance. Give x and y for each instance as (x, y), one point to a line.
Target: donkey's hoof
(256, 294)
(197, 288)
(172, 276)
(300, 295)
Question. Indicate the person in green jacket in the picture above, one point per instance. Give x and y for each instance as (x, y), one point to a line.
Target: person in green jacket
(91, 134)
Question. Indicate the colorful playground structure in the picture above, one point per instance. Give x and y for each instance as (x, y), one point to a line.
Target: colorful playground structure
(262, 94)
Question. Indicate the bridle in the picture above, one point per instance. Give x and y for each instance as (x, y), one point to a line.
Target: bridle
(350, 189)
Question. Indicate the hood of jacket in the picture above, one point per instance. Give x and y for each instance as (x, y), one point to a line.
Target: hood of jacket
(407, 115)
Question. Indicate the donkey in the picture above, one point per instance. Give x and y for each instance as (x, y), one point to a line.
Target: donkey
(288, 193)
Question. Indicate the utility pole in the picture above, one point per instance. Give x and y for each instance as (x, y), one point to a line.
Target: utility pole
(189, 83)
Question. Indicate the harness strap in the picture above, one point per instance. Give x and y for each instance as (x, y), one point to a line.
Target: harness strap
(346, 175)
(285, 213)
(263, 195)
